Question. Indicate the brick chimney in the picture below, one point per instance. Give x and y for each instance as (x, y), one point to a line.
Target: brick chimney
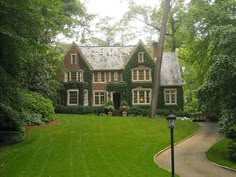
(155, 49)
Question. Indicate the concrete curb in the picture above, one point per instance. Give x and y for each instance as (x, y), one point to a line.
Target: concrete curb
(163, 150)
(221, 166)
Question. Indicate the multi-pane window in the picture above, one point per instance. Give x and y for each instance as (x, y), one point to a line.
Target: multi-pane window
(99, 98)
(141, 75)
(102, 77)
(72, 97)
(141, 96)
(115, 76)
(96, 77)
(148, 73)
(170, 96)
(73, 59)
(99, 76)
(140, 57)
(73, 76)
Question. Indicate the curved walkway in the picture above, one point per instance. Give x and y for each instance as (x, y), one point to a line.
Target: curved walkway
(190, 160)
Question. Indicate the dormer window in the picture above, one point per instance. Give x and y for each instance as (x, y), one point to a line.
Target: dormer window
(140, 57)
(73, 59)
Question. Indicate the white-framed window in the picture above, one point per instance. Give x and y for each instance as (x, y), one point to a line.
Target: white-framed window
(73, 58)
(143, 74)
(72, 97)
(140, 57)
(115, 76)
(99, 76)
(141, 96)
(99, 98)
(74, 76)
(170, 96)
(86, 103)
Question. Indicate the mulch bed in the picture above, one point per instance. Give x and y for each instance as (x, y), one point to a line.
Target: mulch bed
(28, 127)
(2, 144)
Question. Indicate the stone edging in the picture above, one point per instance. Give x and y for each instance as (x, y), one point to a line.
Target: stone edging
(163, 150)
(221, 166)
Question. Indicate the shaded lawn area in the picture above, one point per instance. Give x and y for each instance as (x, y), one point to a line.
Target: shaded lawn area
(218, 154)
(92, 146)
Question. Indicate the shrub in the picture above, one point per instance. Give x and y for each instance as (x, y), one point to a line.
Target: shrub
(232, 150)
(124, 106)
(109, 106)
(231, 132)
(10, 137)
(136, 110)
(12, 119)
(32, 118)
(163, 112)
(35, 103)
(80, 109)
(227, 120)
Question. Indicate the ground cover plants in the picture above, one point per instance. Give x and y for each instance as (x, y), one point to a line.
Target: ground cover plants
(219, 155)
(94, 146)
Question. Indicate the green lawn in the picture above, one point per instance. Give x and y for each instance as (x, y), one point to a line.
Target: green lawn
(91, 146)
(218, 154)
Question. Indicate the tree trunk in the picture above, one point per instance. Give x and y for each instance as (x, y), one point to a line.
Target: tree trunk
(157, 73)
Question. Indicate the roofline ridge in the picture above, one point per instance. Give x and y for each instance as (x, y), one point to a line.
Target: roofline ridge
(109, 46)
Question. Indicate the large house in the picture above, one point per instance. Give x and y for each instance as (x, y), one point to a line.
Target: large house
(94, 75)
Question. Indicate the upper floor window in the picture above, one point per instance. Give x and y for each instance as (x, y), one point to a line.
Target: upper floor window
(141, 74)
(141, 96)
(99, 77)
(74, 76)
(170, 96)
(140, 57)
(115, 76)
(73, 59)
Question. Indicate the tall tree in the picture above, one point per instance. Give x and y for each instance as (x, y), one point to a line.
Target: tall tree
(151, 18)
(157, 73)
(203, 16)
(27, 32)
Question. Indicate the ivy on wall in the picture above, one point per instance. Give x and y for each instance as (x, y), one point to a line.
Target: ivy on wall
(180, 100)
(125, 87)
(88, 77)
(148, 62)
(133, 63)
(120, 87)
(86, 85)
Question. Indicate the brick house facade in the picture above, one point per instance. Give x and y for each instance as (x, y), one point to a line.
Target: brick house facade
(94, 75)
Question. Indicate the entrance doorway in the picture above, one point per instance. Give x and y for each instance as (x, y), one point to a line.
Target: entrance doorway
(116, 100)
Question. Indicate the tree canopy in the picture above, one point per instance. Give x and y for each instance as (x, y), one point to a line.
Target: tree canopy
(29, 60)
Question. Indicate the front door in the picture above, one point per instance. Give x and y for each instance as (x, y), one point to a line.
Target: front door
(116, 100)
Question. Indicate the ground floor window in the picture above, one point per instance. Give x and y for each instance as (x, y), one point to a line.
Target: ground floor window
(170, 96)
(99, 98)
(141, 96)
(72, 97)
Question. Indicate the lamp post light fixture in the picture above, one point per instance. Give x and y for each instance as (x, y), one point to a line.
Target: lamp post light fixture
(171, 123)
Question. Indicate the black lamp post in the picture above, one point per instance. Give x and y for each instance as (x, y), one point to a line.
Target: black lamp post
(171, 123)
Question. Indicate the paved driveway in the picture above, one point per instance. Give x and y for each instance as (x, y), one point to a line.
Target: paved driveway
(190, 160)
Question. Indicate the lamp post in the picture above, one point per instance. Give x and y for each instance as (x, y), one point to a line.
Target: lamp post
(171, 123)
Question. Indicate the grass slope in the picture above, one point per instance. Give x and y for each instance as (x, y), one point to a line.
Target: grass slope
(217, 153)
(90, 146)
